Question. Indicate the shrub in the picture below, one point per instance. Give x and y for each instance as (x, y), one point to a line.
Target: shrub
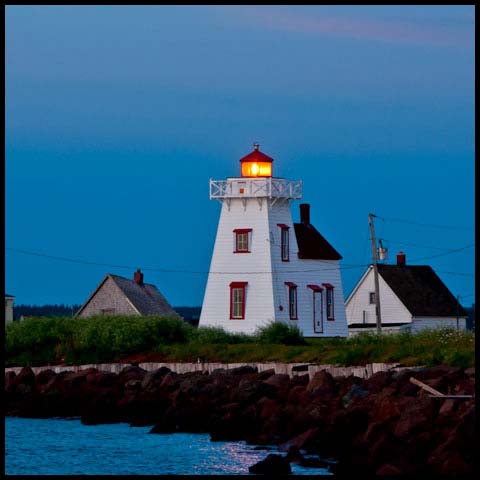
(217, 335)
(281, 333)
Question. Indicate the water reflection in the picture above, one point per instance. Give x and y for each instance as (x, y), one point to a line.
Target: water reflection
(66, 447)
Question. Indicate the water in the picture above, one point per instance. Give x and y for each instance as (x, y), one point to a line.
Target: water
(66, 447)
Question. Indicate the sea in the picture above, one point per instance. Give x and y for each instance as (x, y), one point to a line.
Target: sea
(67, 447)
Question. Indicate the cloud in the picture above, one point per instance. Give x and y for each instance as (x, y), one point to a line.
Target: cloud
(431, 30)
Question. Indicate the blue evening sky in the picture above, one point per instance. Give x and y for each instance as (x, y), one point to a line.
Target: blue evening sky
(118, 116)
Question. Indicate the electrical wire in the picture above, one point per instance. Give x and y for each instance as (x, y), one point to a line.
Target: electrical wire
(165, 270)
(399, 220)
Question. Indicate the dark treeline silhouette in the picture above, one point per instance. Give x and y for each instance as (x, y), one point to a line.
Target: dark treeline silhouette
(190, 314)
(44, 310)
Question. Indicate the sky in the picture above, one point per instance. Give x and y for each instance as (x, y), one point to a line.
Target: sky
(117, 117)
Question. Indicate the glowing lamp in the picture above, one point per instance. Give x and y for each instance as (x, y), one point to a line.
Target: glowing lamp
(256, 164)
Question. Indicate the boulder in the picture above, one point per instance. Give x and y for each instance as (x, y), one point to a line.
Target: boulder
(243, 370)
(378, 381)
(154, 378)
(25, 381)
(273, 464)
(131, 372)
(299, 441)
(10, 381)
(388, 469)
(322, 384)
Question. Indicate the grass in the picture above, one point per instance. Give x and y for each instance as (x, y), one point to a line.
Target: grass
(101, 339)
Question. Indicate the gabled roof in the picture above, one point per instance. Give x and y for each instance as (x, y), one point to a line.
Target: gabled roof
(9, 296)
(145, 298)
(312, 245)
(420, 289)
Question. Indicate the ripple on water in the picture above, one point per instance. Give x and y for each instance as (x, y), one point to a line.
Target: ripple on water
(67, 447)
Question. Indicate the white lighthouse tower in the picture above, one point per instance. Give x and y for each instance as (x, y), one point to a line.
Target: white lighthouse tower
(266, 268)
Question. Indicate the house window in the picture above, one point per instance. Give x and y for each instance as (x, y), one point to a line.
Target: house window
(242, 237)
(292, 300)
(371, 298)
(284, 242)
(237, 300)
(107, 311)
(329, 300)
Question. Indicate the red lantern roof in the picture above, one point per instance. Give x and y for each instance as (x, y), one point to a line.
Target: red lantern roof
(256, 156)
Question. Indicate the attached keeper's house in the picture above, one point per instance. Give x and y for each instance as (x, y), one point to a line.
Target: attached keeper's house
(266, 268)
(412, 297)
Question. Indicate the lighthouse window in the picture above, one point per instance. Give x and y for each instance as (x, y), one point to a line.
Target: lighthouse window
(292, 300)
(242, 237)
(329, 300)
(237, 300)
(284, 242)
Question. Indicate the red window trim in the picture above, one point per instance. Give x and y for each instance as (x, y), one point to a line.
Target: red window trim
(283, 228)
(242, 230)
(315, 288)
(329, 287)
(292, 286)
(241, 285)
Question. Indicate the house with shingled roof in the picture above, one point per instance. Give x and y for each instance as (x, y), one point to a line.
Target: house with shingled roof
(117, 295)
(9, 308)
(412, 297)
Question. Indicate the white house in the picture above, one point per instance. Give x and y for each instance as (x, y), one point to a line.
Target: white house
(266, 268)
(412, 297)
(8, 308)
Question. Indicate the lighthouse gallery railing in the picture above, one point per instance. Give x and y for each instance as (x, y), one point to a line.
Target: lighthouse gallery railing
(255, 187)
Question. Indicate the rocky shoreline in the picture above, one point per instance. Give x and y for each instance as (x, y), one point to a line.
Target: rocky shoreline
(382, 425)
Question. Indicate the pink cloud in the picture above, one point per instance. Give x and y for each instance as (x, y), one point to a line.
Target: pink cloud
(398, 31)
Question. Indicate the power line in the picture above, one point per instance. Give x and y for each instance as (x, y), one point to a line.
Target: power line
(400, 242)
(399, 220)
(203, 272)
(444, 253)
(457, 273)
(165, 270)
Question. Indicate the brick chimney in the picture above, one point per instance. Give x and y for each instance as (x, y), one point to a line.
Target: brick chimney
(138, 277)
(305, 213)
(401, 259)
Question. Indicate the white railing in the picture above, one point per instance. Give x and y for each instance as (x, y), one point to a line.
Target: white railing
(255, 188)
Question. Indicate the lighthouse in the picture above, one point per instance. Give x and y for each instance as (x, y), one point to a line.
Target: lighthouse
(264, 267)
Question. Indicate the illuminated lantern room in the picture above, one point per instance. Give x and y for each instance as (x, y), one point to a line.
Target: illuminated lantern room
(256, 164)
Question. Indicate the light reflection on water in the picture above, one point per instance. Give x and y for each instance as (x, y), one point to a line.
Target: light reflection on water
(67, 447)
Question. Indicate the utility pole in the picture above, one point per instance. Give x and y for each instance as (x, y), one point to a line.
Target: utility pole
(458, 305)
(375, 272)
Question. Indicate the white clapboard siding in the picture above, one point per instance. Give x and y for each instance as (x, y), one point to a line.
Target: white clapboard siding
(266, 292)
(392, 309)
(259, 294)
(422, 323)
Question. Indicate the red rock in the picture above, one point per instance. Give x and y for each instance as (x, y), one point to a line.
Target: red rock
(267, 408)
(386, 406)
(10, 381)
(415, 416)
(322, 382)
(388, 469)
(448, 406)
(298, 395)
(26, 377)
(299, 441)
